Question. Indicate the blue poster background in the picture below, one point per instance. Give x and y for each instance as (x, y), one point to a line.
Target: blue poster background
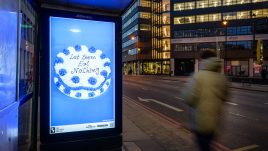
(8, 53)
(65, 32)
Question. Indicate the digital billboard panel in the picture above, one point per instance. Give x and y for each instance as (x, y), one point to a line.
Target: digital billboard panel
(8, 53)
(82, 75)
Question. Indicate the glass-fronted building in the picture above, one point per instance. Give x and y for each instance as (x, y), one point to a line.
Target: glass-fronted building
(145, 49)
(188, 27)
(198, 25)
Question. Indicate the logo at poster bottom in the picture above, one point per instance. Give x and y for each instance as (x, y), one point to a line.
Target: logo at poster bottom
(82, 72)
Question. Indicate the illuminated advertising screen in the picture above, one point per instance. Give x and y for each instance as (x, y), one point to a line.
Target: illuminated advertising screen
(82, 75)
(8, 53)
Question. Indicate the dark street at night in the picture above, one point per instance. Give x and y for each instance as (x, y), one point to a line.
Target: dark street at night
(245, 119)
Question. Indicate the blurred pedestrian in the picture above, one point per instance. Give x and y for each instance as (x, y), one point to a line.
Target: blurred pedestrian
(205, 93)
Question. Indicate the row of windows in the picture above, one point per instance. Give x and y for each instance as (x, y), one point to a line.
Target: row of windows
(133, 18)
(166, 31)
(211, 3)
(145, 15)
(232, 45)
(166, 7)
(137, 15)
(166, 19)
(209, 32)
(143, 27)
(130, 42)
(135, 5)
(130, 31)
(220, 16)
(142, 3)
(133, 51)
(145, 3)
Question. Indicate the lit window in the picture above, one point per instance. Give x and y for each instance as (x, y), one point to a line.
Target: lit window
(189, 5)
(166, 31)
(243, 1)
(202, 4)
(229, 16)
(166, 7)
(145, 3)
(229, 2)
(215, 17)
(166, 44)
(166, 55)
(145, 27)
(179, 20)
(260, 13)
(214, 3)
(184, 20)
(243, 15)
(257, 1)
(166, 19)
(179, 7)
(202, 18)
(189, 19)
(145, 15)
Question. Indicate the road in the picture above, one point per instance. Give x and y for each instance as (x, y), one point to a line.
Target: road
(245, 125)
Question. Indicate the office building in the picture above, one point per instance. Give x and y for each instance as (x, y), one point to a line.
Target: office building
(190, 27)
(143, 51)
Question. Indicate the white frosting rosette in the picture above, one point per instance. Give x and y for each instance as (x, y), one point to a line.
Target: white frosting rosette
(82, 72)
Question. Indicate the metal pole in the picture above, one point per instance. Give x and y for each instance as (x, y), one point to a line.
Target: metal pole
(137, 58)
(253, 41)
(225, 49)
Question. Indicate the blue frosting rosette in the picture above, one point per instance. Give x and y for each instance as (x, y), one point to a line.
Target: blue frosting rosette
(82, 72)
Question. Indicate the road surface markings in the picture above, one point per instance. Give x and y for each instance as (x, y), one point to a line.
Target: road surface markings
(161, 103)
(172, 121)
(236, 114)
(252, 93)
(144, 89)
(231, 103)
(266, 103)
(179, 98)
(246, 147)
(239, 115)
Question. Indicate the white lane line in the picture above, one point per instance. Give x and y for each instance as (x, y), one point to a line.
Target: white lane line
(179, 98)
(260, 95)
(161, 103)
(144, 89)
(266, 103)
(231, 103)
(236, 114)
(246, 148)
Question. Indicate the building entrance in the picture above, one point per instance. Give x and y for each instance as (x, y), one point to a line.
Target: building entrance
(184, 67)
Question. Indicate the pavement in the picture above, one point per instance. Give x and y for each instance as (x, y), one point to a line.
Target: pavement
(147, 130)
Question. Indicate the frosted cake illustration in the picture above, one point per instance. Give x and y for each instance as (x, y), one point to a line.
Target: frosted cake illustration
(82, 72)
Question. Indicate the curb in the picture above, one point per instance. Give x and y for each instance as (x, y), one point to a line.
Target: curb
(174, 79)
(177, 125)
(248, 89)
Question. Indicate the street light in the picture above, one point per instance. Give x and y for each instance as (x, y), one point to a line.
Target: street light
(225, 24)
(137, 57)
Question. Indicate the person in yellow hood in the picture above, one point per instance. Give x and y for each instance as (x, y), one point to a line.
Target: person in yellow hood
(205, 94)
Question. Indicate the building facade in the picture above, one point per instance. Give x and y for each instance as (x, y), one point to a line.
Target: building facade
(143, 51)
(188, 27)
